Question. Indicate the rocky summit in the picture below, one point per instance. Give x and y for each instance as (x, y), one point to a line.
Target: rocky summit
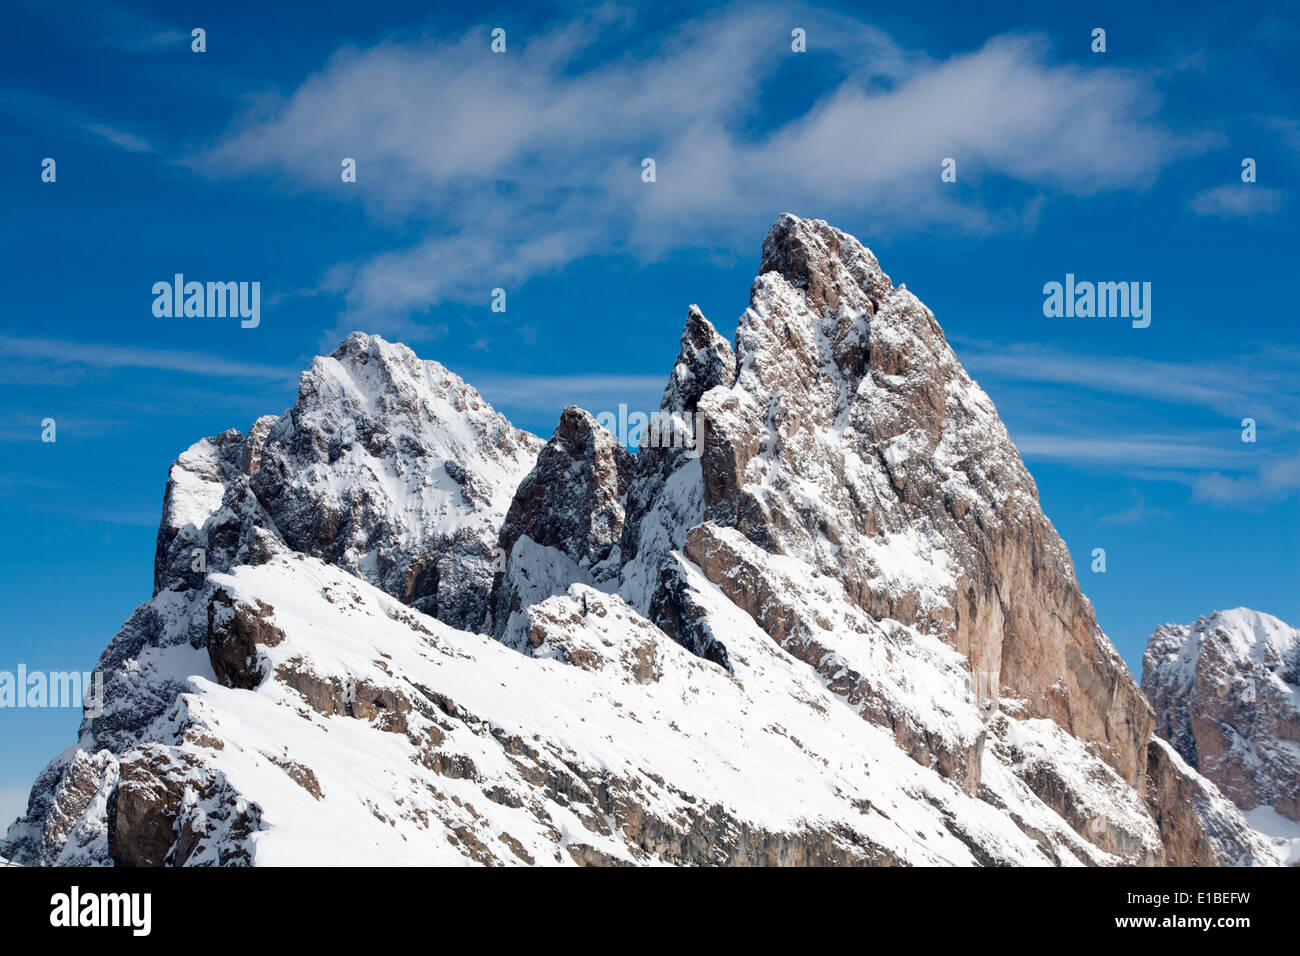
(841, 631)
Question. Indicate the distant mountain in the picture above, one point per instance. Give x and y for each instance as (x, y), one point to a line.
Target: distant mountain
(1226, 691)
(839, 630)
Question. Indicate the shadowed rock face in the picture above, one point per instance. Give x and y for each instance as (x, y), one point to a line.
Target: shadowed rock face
(704, 360)
(1198, 825)
(572, 503)
(572, 500)
(666, 496)
(1226, 691)
(209, 509)
(387, 465)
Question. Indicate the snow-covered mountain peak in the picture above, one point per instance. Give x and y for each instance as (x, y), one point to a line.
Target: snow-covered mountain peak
(1226, 691)
(1240, 636)
(382, 393)
(396, 469)
(853, 440)
(825, 622)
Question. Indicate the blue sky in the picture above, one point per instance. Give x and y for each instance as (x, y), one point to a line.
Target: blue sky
(522, 170)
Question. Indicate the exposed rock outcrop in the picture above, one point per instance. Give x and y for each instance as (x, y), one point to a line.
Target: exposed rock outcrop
(170, 809)
(571, 502)
(236, 632)
(1198, 825)
(665, 499)
(209, 510)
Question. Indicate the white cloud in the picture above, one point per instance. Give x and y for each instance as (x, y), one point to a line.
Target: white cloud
(1262, 385)
(45, 112)
(119, 138)
(1150, 451)
(515, 164)
(1237, 201)
(1137, 514)
(60, 353)
(1276, 480)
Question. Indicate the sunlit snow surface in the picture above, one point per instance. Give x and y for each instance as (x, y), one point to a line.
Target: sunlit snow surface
(715, 737)
(1284, 833)
(770, 744)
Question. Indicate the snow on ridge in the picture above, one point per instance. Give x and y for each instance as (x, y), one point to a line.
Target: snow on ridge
(196, 477)
(689, 728)
(1255, 634)
(423, 400)
(1282, 833)
(1241, 633)
(1226, 692)
(908, 561)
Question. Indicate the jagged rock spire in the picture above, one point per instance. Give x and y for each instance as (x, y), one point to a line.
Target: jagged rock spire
(705, 359)
(853, 440)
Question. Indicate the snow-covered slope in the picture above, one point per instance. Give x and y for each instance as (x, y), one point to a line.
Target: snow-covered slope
(1226, 691)
(1284, 833)
(376, 734)
(838, 630)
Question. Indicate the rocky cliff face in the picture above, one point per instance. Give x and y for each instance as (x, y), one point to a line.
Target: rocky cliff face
(1199, 826)
(818, 618)
(854, 439)
(1226, 691)
(569, 510)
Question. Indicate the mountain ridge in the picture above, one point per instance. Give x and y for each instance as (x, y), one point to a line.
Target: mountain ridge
(844, 632)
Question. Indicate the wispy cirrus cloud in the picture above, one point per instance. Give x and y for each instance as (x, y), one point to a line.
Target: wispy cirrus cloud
(1216, 464)
(1146, 451)
(535, 401)
(43, 111)
(1261, 385)
(1237, 201)
(119, 138)
(129, 29)
(517, 164)
(37, 361)
(545, 390)
(1137, 514)
(58, 352)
